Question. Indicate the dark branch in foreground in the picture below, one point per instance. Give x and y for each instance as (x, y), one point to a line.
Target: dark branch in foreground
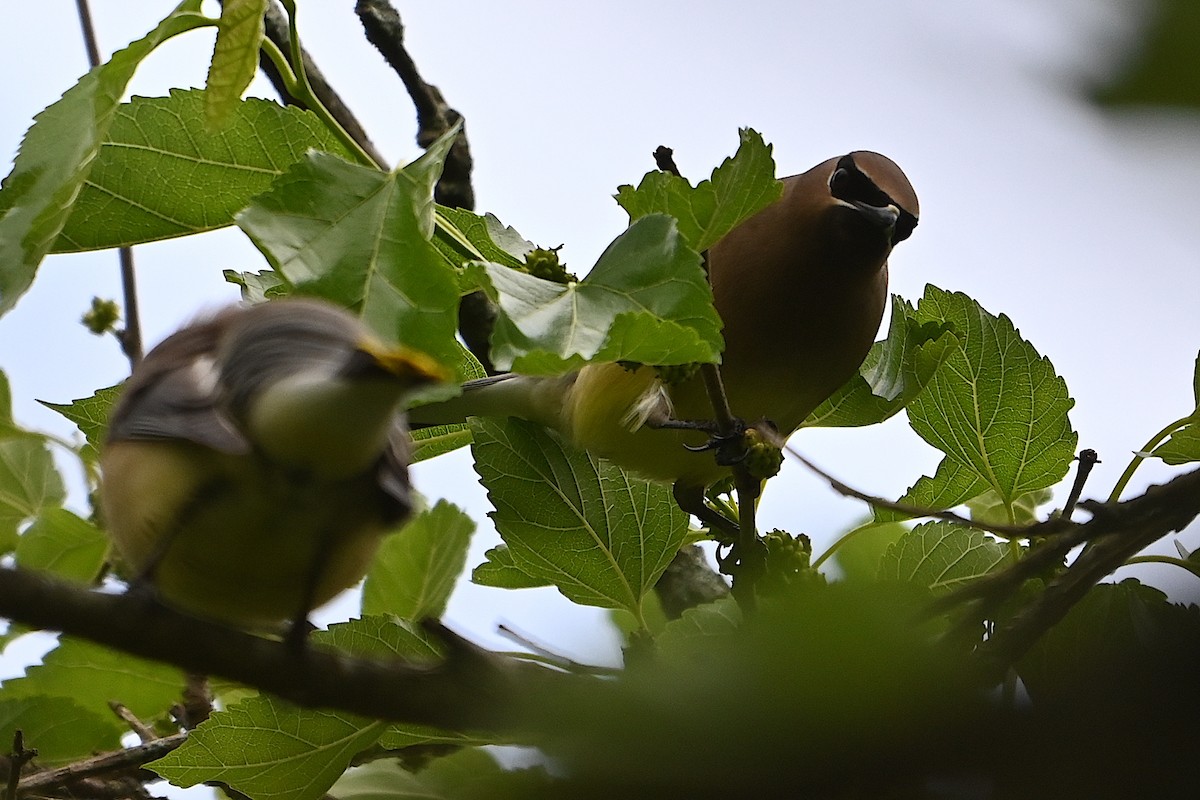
(470, 688)
(1115, 533)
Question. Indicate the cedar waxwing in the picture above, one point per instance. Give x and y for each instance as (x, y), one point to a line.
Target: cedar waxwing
(256, 458)
(801, 288)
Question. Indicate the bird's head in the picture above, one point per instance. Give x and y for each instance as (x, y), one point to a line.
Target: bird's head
(876, 195)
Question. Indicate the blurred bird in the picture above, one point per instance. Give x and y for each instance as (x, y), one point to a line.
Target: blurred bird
(256, 458)
(801, 288)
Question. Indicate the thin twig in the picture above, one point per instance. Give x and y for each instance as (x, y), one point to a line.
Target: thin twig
(1087, 459)
(144, 732)
(130, 336)
(120, 760)
(1048, 528)
(17, 761)
(747, 558)
(1116, 532)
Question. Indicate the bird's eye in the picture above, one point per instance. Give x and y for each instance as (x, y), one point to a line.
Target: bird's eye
(849, 184)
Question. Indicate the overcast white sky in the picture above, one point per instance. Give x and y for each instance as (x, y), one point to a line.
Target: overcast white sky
(1079, 225)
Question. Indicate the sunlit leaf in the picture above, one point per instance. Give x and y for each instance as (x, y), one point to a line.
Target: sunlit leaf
(414, 572)
(601, 536)
(361, 238)
(59, 151)
(738, 188)
(996, 408)
(161, 172)
(894, 372)
(646, 300)
(942, 556)
(235, 58)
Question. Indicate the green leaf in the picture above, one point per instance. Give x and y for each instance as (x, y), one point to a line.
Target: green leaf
(859, 555)
(91, 415)
(501, 571)
(953, 484)
(235, 58)
(416, 569)
(94, 676)
(646, 300)
(58, 152)
(990, 509)
(161, 172)
(1120, 642)
(1196, 382)
(942, 556)
(62, 543)
(598, 534)
(58, 729)
(29, 485)
(360, 237)
(462, 236)
(470, 774)
(257, 287)
(266, 748)
(996, 407)
(380, 637)
(894, 372)
(7, 426)
(718, 618)
(741, 186)
(439, 440)
(1184, 445)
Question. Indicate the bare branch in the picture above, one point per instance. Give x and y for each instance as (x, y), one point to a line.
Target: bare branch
(106, 764)
(130, 336)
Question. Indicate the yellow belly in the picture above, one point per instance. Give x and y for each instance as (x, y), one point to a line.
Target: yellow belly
(243, 549)
(597, 413)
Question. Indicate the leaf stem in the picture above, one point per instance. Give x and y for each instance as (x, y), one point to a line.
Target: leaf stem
(1182, 563)
(1140, 455)
(301, 89)
(833, 548)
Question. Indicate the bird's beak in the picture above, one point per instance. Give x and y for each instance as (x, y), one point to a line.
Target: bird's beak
(883, 216)
(405, 364)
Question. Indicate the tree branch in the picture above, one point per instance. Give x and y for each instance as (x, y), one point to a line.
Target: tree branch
(106, 764)
(384, 29)
(1114, 534)
(470, 688)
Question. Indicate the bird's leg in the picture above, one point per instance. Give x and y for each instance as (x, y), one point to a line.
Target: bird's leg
(297, 634)
(690, 498)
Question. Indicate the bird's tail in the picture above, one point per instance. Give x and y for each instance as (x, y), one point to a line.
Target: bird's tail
(537, 399)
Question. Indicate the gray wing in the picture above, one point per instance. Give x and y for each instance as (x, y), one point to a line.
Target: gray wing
(174, 393)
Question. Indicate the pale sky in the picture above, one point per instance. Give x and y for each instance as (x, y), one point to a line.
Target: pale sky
(1076, 223)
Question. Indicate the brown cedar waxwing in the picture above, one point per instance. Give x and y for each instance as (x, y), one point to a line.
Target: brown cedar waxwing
(256, 458)
(801, 287)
